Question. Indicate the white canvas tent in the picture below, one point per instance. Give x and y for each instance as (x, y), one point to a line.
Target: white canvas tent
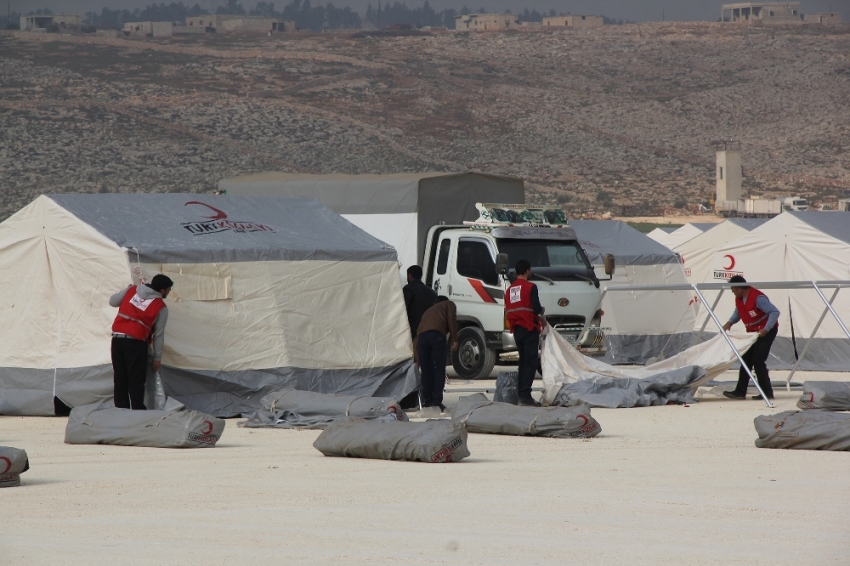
(398, 209)
(698, 253)
(795, 246)
(268, 294)
(642, 324)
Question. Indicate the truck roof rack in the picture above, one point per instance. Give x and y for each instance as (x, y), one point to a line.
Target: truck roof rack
(499, 214)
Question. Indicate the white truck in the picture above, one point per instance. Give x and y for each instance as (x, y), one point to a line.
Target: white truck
(472, 264)
(795, 203)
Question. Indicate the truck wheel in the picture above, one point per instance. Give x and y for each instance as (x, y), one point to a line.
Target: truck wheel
(473, 359)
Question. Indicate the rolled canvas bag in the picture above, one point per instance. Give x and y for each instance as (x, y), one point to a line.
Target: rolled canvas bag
(804, 430)
(479, 414)
(13, 462)
(290, 408)
(177, 428)
(829, 395)
(432, 441)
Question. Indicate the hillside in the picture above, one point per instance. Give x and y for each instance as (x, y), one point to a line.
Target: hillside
(619, 120)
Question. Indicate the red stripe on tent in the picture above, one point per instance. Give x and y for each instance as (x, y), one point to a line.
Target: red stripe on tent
(482, 292)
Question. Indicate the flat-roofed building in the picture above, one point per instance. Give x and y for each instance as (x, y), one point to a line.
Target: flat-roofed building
(762, 13)
(152, 29)
(821, 18)
(227, 23)
(486, 22)
(573, 22)
(43, 21)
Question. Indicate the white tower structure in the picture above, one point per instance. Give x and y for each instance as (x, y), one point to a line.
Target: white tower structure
(728, 175)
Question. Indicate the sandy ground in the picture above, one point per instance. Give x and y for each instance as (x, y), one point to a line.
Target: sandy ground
(660, 485)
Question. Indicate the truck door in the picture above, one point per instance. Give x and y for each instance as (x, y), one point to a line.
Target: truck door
(442, 276)
(476, 287)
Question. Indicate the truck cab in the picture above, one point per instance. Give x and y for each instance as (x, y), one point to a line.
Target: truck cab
(460, 263)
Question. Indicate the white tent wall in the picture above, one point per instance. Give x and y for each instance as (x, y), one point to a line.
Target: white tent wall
(55, 271)
(789, 249)
(645, 324)
(399, 228)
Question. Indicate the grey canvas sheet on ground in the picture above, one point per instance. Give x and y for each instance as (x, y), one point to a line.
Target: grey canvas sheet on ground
(13, 462)
(675, 386)
(804, 430)
(479, 414)
(100, 423)
(829, 395)
(290, 408)
(433, 441)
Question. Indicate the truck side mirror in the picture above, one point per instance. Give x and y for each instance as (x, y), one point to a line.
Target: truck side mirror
(609, 266)
(501, 263)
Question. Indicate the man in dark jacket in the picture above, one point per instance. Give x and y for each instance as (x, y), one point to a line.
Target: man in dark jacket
(439, 320)
(418, 298)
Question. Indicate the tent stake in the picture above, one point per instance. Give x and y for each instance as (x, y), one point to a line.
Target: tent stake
(734, 349)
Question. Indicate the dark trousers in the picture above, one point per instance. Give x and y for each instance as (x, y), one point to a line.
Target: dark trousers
(528, 346)
(755, 358)
(431, 347)
(130, 367)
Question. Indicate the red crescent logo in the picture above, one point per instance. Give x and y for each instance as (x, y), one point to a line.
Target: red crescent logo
(219, 215)
(209, 427)
(731, 262)
(812, 400)
(8, 464)
(585, 419)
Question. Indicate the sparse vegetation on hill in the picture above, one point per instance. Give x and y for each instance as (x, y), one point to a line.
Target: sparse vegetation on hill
(617, 120)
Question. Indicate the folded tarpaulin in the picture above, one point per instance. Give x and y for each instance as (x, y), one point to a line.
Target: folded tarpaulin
(804, 430)
(431, 441)
(829, 395)
(291, 408)
(13, 462)
(177, 428)
(562, 363)
(479, 414)
(675, 386)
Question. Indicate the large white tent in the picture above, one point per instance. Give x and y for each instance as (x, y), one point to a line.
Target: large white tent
(643, 324)
(698, 253)
(268, 294)
(795, 246)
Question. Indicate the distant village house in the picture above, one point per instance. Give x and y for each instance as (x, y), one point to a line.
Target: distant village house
(44, 21)
(486, 22)
(149, 29)
(231, 23)
(574, 21)
(762, 13)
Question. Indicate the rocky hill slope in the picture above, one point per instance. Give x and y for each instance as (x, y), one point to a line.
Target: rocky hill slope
(620, 119)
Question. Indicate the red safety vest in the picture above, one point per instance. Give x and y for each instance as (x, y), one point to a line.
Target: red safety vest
(754, 318)
(136, 316)
(518, 306)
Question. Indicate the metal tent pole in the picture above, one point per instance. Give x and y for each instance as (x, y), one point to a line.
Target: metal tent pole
(707, 318)
(734, 349)
(806, 347)
(832, 310)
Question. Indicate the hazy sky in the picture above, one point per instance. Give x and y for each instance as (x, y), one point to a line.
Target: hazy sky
(636, 10)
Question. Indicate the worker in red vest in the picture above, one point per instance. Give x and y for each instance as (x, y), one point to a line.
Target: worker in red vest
(758, 315)
(140, 322)
(523, 310)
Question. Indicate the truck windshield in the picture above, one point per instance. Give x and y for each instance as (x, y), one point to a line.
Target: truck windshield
(544, 253)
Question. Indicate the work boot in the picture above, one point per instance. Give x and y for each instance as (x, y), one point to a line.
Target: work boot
(733, 395)
(527, 402)
(758, 397)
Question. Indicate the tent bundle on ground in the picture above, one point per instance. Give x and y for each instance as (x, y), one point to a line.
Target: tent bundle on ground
(398, 209)
(643, 324)
(795, 246)
(268, 294)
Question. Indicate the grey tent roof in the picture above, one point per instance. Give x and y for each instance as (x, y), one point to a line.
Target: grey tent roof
(747, 223)
(832, 223)
(704, 225)
(363, 194)
(629, 247)
(669, 229)
(195, 228)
